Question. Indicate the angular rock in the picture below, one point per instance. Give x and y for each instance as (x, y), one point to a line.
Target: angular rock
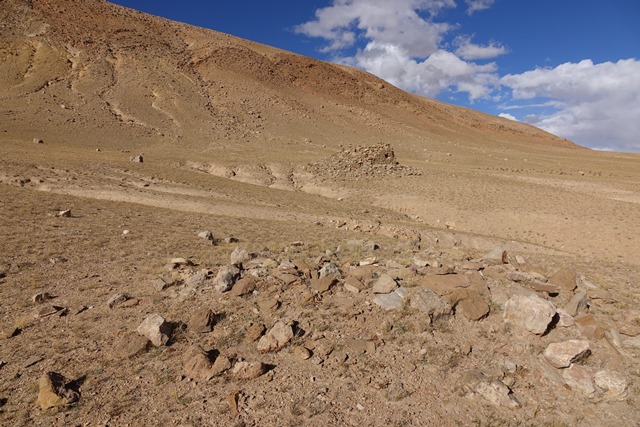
(255, 331)
(161, 283)
(198, 365)
(206, 235)
(612, 382)
(302, 353)
(589, 327)
(384, 285)
(137, 159)
(323, 284)
(182, 261)
(53, 392)
(473, 308)
(226, 278)
(530, 312)
(64, 214)
(117, 300)
(392, 301)
(429, 303)
(202, 321)
(276, 338)
(244, 286)
(492, 390)
(565, 278)
(563, 354)
(565, 320)
(130, 346)
(197, 279)
(329, 270)
(578, 304)
(41, 297)
(240, 256)
(249, 370)
(156, 329)
(496, 257)
(579, 379)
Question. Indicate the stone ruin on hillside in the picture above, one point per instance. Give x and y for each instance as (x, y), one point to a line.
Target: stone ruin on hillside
(362, 161)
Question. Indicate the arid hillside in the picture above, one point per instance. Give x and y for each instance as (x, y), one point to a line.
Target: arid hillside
(203, 230)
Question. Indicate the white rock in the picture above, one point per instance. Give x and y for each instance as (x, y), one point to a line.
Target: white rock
(614, 383)
(156, 329)
(530, 312)
(384, 285)
(563, 354)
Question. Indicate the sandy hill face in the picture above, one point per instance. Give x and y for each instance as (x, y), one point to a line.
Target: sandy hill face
(87, 65)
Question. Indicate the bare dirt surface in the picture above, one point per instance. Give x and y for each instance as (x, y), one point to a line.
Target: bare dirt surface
(374, 258)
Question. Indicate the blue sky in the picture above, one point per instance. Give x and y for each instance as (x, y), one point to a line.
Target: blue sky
(568, 66)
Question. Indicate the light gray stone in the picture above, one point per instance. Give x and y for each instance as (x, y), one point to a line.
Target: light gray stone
(614, 383)
(156, 329)
(429, 303)
(391, 301)
(329, 270)
(579, 379)
(226, 277)
(240, 256)
(384, 285)
(530, 312)
(563, 354)
(578, 304)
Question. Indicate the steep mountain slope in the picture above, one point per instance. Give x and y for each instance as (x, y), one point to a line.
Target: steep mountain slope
(89, 65)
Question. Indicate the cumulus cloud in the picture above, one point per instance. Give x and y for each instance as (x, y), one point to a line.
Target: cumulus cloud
(597, 105)
(470, 51)
(478, 5)
(508, 116)
(403, 44)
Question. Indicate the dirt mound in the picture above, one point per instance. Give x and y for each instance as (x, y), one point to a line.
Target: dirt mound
(361, 161)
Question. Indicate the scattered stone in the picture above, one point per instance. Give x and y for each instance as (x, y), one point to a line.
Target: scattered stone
(349, 285)
(565, 320)
(197, 279)
(565, 278)
(130, 346)
(182, 262)
(276, 338)
(589, 327)
(54, 393)
(563, 354)
(156, 329)
(361, 346)
(578, 304)
(10, 332)
(137, 159)
(384, 285)
(117, 299)
(50, 310)
(392, 301)
(579, 379)
(520, 260)
(302, 353)
(38, 141)
(368, 261)
(494, 391)
(370, 246)
(32, 361)
(232, 402)
(473, 308)
(249, 370)
(202, 321)
(268, 305)
(496, 257)
(244, 286)
(226, 277)
(41, 297)
(323, 284)
(229, 240)
(206, 235)
(329, 270)
(198, 365)
(64, 214)
(530, 312)
(614, 383)
(58, 259)
(429, 303)
(255, 331)
(240, 256)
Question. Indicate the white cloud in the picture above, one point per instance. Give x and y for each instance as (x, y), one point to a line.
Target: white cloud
(597, 105)
(478, 5)
(403, 45)
(508, 116)
(470, 51)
